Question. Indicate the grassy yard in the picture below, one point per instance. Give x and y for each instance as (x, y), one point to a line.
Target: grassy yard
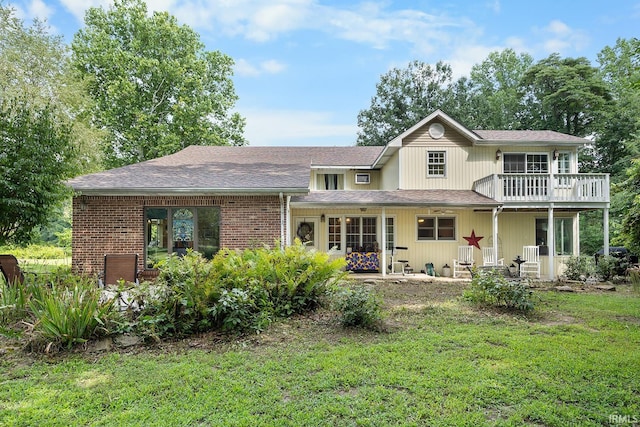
(440, 361)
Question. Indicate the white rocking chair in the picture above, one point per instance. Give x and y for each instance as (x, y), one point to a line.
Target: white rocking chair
(464, 262)
(488, 258)
(531, 264)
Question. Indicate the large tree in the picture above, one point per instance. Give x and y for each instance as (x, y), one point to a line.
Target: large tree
(496, 84)
(36, 157)
(39, 102)
(157, 90)
(403, 97)
(564, 94)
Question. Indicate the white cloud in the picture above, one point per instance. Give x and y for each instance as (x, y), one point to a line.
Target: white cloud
(559, 37)
(294, 127)
(245, 68)
(78, 7)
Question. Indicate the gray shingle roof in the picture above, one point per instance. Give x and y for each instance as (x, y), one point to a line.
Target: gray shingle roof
(527, 136)
(206, 168)
(466, 198)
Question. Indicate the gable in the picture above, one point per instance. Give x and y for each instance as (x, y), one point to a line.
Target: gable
(437, 132)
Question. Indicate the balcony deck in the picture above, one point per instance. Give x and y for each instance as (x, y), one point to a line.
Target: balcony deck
(579, 190)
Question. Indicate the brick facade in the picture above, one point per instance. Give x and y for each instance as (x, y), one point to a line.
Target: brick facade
(115, 224)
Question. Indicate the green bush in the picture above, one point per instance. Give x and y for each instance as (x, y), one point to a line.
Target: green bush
(36, 252)
(606, 267)
(579, 268)
(359, 306)
(69, 314)
(13, 301)
(236, 291)
(490, 287)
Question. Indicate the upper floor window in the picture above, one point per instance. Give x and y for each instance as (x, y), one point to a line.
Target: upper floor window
(436, 163)
(331, 181)
(436, 228)
(525, 163)
(363, 178)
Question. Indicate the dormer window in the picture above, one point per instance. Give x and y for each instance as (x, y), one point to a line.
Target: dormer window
(331, 181)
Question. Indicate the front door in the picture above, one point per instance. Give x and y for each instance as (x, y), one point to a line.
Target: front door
(307, 231)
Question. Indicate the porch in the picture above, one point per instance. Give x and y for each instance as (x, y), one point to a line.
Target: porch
(545, 188)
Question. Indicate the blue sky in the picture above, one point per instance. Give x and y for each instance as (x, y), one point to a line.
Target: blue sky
(305, 68)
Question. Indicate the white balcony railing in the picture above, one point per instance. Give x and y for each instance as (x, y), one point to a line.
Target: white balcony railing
(545, 188)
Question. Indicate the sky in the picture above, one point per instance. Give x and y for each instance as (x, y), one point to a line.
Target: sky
(305, 68)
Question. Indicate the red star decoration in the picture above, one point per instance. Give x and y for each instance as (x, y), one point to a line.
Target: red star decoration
(473, 239)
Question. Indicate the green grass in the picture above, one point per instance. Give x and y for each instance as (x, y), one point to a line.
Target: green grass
(575, 361)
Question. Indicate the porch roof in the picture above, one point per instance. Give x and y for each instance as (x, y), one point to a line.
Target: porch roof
(371, 198)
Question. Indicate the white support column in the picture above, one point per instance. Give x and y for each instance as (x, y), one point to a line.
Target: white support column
(551, 244)
(383, 246)
(605, 223)
(494, 231)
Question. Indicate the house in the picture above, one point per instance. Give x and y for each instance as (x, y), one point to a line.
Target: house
(435, 187)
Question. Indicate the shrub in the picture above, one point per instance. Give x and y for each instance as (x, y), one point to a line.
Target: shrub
(606, 267)
(492, 288)
(579, 268)
(68, 314)
(359, 306)
(634, 276)
(13, 301)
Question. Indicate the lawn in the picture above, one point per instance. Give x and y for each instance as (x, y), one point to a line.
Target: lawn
(439, 361)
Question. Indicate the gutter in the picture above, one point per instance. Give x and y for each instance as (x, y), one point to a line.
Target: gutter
(187, 191)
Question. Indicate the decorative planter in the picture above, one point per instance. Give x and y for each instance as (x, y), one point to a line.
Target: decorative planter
(446, 271)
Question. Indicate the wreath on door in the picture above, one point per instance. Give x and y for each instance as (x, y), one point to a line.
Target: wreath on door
(305, 232)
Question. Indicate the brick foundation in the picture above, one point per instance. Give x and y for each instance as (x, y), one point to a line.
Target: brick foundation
(115, 224)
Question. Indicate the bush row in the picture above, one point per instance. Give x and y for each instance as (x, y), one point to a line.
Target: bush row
(237, 291)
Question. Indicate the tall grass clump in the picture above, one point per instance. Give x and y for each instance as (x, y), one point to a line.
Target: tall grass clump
(634, 276)
(13, 302)
(68, 314)
(491, 288)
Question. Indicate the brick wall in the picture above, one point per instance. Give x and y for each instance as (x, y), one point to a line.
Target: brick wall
(115, 224)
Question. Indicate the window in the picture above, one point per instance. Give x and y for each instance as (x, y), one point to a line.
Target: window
(436, 228)
(335, 233)
(360, 233)
(330, 181)
(390, 237)
(170, 230)
(436, 163)
(363, 178)
(563, 235)
(525, 163)
(564, 167)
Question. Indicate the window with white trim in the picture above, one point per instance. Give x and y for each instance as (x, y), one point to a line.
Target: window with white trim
(363, 178)
(436, 228)
(436, 163)
(563, 235)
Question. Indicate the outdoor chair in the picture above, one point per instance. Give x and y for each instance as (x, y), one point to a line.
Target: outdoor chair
(464, 262)
(488, 257)
(119, 267)
(11, 270)
(531, 264)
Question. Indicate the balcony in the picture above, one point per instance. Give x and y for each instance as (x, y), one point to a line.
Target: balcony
(527, 189)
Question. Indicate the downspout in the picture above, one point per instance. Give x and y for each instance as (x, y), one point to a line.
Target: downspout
(282, 223)
(288, 223)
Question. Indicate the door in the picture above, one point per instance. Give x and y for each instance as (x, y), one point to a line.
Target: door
(306, 229)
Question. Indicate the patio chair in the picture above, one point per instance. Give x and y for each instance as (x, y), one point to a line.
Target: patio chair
(464, 262)
(119, 267)
(531, 264)
(488, 257)
(11, 270)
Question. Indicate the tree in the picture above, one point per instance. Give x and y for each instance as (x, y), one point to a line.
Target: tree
(36, 157)
(403, 98)
(496, 84)
(156, 89)
(564, 94)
